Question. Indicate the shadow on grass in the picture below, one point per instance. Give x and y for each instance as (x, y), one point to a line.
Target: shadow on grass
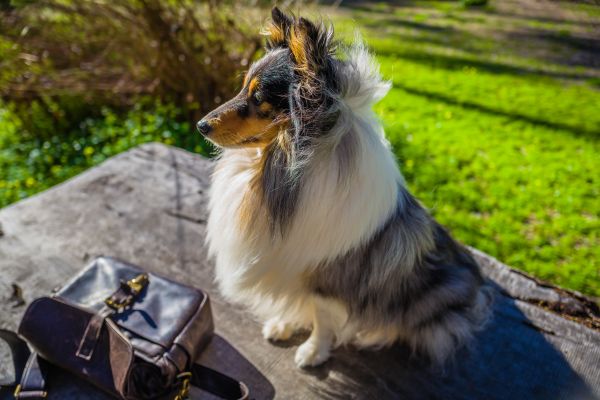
(446, 36)
(404, 23)
(367, 6)
(576, 131)
(453, 63)
(537, 18)
(574, 50)
(583, 51)
(551, 45)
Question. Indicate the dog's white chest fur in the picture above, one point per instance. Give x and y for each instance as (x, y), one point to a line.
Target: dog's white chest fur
(333, 216)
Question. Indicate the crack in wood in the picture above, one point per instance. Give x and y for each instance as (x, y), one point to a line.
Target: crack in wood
(538, 328)
(571, 309)
(189, 218)
(16, 297)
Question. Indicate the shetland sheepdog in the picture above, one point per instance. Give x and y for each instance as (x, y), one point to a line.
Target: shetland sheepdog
(311, 224)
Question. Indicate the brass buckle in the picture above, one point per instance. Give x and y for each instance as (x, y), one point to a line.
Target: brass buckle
(137, 284)
(132, 287)
(43, 394)
(184, 392)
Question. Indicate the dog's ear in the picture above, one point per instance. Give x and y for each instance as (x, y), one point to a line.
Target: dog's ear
(311, 45)
(278, 31)
(312, 48)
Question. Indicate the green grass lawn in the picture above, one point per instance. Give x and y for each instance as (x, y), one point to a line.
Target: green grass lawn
(494, 116)
(501, 144)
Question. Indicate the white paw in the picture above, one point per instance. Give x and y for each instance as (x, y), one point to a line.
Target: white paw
(311, 354)
(276, 329)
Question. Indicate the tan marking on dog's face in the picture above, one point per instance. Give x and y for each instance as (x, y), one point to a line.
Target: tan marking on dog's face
(231, 130)
(249, 119)
(252, 86)
(265, 107)
(234, 128)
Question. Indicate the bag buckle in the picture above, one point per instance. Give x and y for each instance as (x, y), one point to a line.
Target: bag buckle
(184, 392)
(123, 297)
(137, 284)
(42, 394)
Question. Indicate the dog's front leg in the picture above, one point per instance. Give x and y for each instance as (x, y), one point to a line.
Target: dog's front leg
(317, 348)
(277, 329)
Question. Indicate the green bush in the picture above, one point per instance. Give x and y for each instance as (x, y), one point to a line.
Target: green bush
(74, 76)
(111, 52)
(33, 162)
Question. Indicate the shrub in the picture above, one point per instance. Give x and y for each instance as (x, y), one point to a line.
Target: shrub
(31, 163)
(111, 52)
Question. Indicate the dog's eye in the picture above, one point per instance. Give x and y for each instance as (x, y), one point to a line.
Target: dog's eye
(256, 99)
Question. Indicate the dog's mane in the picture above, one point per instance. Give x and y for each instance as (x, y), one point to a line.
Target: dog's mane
(335, 85)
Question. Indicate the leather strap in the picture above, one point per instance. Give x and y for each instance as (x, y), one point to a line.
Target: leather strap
(218, 384)
(30, 374)
(92, 334)
(32, 384)
(121, 298)
(27, 370)
(20, 354)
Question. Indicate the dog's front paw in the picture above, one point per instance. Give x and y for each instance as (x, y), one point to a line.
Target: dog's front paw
(276, 329)
(311, 354)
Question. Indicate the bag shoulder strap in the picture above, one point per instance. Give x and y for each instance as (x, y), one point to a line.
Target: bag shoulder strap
(20, 354)
(28, 372)
(218, 384)
(32, 383)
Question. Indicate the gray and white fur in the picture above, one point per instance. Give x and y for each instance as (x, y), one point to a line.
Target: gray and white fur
(335, 243)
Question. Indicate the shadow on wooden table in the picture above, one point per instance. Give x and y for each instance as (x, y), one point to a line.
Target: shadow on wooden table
(510, 359)
(223, 357)
(219, 355)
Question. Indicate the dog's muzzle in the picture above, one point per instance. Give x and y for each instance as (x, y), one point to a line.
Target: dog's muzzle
(203, 127)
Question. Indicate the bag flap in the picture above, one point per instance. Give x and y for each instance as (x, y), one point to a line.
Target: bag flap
(159, 312)
(111, 361)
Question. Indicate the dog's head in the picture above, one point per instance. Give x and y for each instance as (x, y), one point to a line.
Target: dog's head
(290, 88)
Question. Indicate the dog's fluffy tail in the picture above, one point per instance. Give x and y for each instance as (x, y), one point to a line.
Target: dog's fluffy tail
(439, 342)
(364, 85)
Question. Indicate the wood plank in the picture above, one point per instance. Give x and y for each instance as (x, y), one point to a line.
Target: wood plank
(148, 206)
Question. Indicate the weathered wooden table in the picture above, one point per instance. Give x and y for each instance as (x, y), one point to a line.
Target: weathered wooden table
(148, 206)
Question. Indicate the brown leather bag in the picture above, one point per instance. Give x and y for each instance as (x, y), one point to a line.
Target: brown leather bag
(133, 334)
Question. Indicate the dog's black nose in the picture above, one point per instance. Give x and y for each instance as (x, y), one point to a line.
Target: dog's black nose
(203, 127)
